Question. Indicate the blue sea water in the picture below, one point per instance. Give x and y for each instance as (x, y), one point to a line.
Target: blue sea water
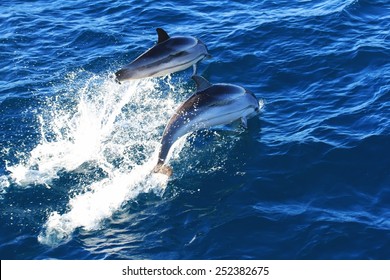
(308, 179)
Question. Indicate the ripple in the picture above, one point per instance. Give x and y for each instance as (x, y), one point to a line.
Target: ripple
(314, 164)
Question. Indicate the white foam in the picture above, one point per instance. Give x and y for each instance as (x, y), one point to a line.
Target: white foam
(117, 127)
(105, 197)
(4, 184)
(98, 129)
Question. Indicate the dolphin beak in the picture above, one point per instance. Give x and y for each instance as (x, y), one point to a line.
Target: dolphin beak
(115, 78)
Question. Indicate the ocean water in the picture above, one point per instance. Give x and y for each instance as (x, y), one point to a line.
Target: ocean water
(308, 179)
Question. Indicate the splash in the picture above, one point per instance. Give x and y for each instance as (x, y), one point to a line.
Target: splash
(104, 198)
(107, 122)
(4, 184)
(95, 123)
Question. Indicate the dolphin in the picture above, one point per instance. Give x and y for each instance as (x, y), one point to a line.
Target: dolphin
(170, 54)
(211, 105)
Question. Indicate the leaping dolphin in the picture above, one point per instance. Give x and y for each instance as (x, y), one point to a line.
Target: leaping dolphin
(170, 54)
(211, 105)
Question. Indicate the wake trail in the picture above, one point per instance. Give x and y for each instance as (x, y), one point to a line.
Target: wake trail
(95, 122)
(104, 198)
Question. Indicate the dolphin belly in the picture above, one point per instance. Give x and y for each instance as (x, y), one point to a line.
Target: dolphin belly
(223, 115)
(204, 119)
(170, 65)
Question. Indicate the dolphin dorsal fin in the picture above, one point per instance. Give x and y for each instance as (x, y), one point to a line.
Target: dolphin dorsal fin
(201, 83)
(162, 35)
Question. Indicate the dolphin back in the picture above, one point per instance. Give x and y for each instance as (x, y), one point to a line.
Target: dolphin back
(170, 54)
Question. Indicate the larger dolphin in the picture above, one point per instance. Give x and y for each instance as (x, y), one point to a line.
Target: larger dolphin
(170, 54)
(210, 106)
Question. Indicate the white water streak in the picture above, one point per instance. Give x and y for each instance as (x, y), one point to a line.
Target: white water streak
(115, 127)
(105, 198)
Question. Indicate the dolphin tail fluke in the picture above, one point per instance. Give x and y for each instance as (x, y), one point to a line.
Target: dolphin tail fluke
(163, 169)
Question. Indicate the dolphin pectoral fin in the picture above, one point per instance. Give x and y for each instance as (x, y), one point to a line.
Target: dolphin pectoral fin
(244, 122)
(201, 83)
(163, 169)
(162, 35)
(195, 68)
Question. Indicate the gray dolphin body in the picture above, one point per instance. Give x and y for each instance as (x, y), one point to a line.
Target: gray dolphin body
(211, 105)
(170, 54)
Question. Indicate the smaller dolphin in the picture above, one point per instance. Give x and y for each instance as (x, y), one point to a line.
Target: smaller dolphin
(170, 54)
(211, 105)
